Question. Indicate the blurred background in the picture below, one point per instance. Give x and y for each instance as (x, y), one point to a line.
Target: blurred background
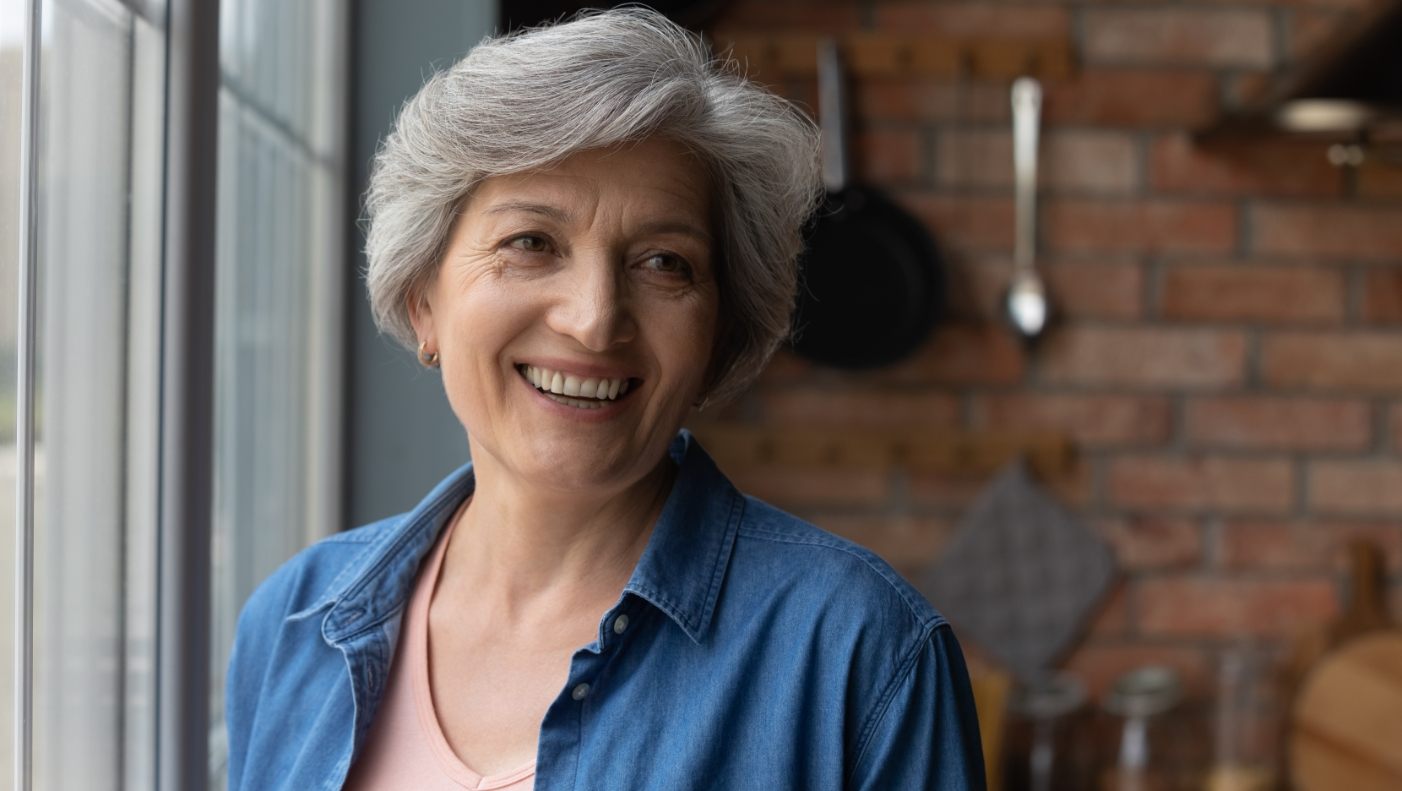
(1209, 506)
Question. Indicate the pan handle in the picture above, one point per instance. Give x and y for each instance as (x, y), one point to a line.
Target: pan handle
(1027, 111)
(832, 115)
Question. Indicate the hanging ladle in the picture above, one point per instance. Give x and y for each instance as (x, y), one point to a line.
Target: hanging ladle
(1025, 304)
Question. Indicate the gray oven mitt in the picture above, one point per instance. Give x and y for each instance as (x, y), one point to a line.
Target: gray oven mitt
(1021, 575)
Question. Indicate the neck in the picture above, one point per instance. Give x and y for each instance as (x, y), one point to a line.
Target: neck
(524, 549)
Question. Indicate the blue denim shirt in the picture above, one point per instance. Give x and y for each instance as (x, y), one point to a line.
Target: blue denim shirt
(757, 652)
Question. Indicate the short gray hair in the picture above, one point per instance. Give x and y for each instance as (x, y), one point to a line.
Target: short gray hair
(525, 101)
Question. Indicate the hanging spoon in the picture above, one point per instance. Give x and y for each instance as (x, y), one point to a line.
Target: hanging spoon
(1025, 303)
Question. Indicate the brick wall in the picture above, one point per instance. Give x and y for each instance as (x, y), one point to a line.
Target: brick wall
(1229, 360)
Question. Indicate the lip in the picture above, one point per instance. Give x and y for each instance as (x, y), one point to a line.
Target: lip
(606, 411)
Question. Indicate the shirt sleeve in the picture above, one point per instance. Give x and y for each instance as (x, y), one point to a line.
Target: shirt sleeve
(927, 737)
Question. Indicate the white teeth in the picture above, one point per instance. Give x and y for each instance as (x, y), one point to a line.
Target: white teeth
(574, 402)
(574, 389)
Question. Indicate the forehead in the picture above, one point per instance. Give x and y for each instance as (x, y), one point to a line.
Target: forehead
(654, 176)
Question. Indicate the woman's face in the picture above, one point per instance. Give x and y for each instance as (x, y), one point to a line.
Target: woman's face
(594, 278)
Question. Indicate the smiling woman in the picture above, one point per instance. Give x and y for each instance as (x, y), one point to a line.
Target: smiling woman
(592, 229)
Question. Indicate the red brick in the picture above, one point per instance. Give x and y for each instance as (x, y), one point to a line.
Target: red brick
(961, 354)
(786, 367)
(1100, 664)
(1179, 36)
(973, 20)
(1313, 546)
(1149, 226)
(1327, 230)
(1382, 296)
(787, 16)
(1084, 161)
(1307, 29)
(1245, 89)
(1356, 488)
(1153, 542)
(909, 543)
(1079, 289)
(1113, 616)
(965, 223)
(1202, 484)
(858, 407)
(1074, 488)
(1379, 181)
(1096, 420)
(1267, 294)
(888, 156)
(1270, 423)
(928, 99)
(1228, 608)
(796, 489)
(1097, 289)
(1353, 361)
(1132, 97)
(1247, 168)
(1394, 426)
(1160, 358)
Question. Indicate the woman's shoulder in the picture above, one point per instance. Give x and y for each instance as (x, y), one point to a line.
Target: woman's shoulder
(315, 573)
(811, 563)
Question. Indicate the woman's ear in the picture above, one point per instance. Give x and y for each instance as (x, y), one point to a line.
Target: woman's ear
(420, 314)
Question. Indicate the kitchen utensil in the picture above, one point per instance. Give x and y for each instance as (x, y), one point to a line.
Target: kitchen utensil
(871, 284)
(1243, 756)
(1139, 699)
(1045, 704)
(1021, 574)
(1345, 726)
(1025, 304)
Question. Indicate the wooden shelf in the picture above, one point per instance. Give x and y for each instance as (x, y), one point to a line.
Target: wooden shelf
(929, 450)
(879, 55)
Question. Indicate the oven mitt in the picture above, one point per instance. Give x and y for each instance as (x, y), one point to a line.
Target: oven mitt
(1021, 574)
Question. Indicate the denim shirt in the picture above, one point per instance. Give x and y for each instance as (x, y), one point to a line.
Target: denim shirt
(749, 650)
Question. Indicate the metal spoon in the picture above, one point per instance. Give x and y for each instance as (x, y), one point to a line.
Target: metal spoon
(1025, 303)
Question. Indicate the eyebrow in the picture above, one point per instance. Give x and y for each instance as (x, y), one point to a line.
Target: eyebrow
(543, 209)
(557, 215)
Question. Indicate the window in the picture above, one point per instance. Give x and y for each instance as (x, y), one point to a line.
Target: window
(99, 338)
(279, 289)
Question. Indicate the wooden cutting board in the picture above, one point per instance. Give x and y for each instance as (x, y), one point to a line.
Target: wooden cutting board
(1345, 727)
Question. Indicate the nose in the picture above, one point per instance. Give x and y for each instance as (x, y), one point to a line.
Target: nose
(592, 307)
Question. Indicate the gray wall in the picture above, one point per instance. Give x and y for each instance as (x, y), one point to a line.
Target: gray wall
(401, 436)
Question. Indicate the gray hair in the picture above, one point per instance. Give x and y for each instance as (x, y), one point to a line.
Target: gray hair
(526, 101)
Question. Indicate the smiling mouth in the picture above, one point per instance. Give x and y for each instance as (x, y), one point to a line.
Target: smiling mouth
(577, 391)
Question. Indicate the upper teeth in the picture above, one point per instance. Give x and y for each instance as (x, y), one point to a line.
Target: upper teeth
(570, 385)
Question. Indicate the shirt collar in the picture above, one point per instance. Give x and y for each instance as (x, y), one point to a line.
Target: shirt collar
(680, 571)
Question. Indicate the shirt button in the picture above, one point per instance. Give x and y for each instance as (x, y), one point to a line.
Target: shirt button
(580, 692)
(619, 624)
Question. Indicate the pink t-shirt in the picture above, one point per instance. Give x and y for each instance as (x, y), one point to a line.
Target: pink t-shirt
(406, 748)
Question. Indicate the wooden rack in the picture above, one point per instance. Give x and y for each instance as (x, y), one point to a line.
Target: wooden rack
(928, 450)
(884, 55)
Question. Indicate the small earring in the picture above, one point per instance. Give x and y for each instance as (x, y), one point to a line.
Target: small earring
(429, 359)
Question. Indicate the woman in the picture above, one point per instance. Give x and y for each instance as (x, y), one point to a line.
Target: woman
(590, 229)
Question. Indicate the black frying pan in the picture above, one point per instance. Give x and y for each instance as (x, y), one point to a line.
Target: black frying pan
(516, 14)
(871, 284)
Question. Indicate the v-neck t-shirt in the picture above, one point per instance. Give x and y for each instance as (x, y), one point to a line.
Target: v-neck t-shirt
(406, 748)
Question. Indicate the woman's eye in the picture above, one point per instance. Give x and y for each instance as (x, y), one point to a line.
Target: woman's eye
(667, 263)
(530, 243)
